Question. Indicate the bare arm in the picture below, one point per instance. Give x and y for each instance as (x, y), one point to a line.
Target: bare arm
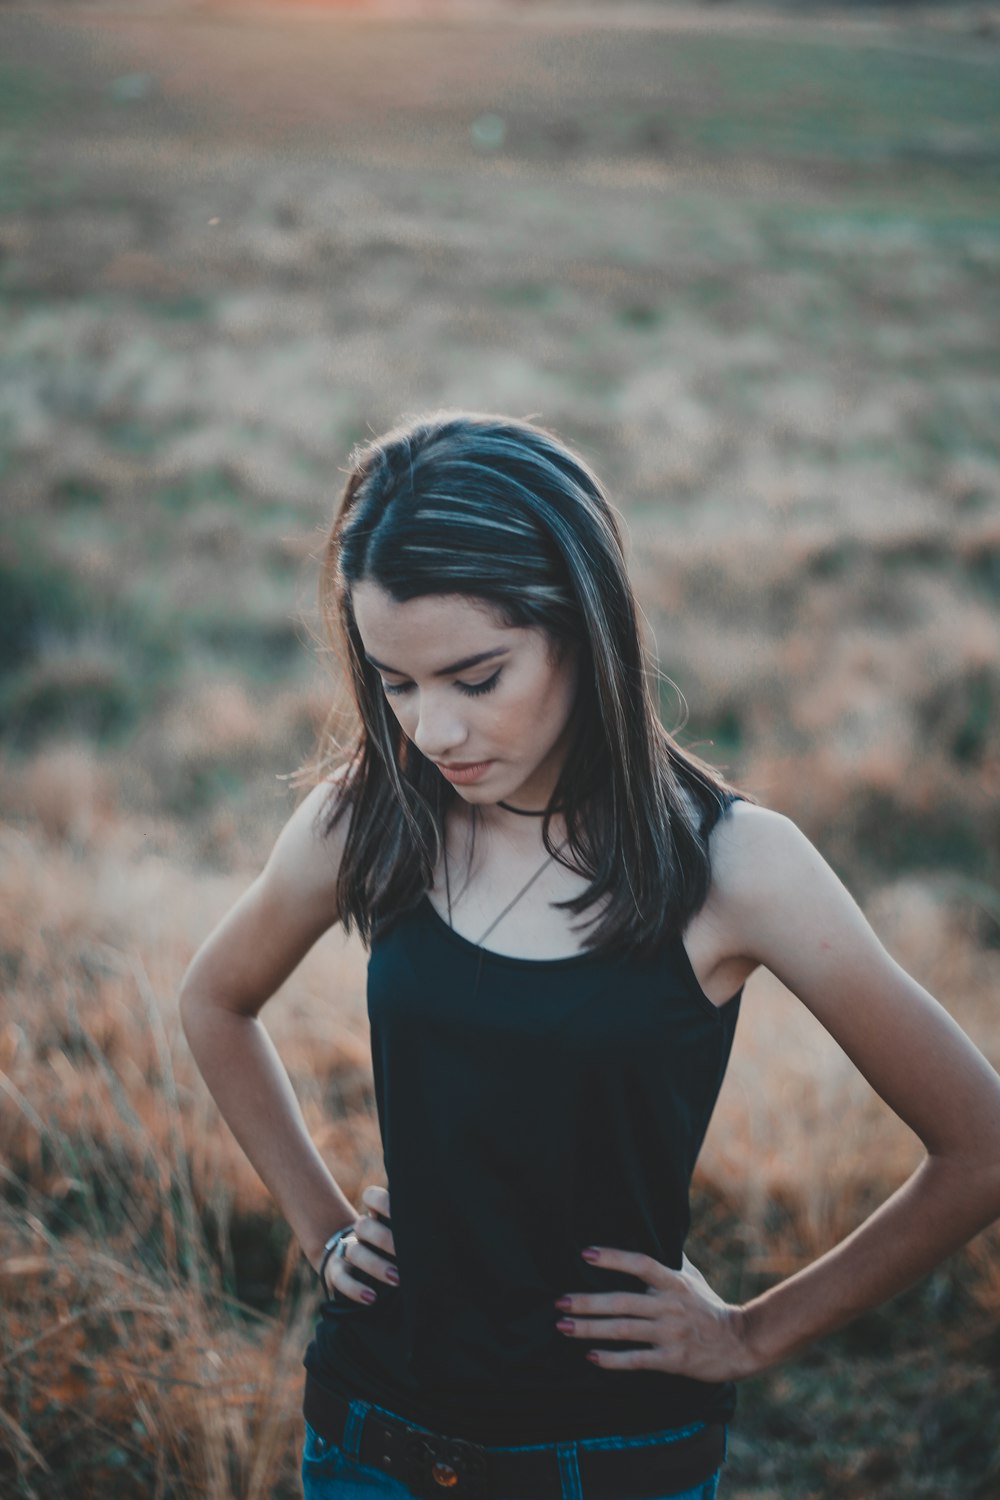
(238, 967)
(782, 906)
(796, 918)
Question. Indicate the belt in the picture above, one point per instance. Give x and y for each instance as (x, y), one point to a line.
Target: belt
(433, 1465)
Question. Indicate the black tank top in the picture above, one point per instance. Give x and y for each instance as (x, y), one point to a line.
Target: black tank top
(565, 1109)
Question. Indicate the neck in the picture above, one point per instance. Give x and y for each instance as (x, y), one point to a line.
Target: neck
(519, 824)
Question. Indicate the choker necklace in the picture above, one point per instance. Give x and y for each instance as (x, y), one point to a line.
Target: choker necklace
(524, 811)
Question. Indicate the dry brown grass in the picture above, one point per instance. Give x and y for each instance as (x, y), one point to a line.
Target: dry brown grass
(125, 1196)
(121, 1347)
(778, 350)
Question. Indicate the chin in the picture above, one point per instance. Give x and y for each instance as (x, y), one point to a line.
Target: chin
(480, 796)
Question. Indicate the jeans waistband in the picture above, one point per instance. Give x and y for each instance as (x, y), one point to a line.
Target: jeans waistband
(432, 1464)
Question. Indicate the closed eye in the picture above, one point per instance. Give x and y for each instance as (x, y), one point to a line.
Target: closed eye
(471, 689)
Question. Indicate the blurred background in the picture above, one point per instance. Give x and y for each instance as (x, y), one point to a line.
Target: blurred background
(745, 259)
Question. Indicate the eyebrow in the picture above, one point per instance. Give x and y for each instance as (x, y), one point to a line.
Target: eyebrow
(456, 666)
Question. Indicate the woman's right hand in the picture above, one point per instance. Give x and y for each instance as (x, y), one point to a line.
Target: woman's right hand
(367, 1250)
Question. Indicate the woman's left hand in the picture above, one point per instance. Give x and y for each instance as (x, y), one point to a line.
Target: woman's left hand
(688, 1328)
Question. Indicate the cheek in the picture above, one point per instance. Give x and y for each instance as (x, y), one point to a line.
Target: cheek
(543, 715)
(397, 709)
(559, 697)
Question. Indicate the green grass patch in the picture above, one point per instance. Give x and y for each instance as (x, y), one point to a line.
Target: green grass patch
(26, 94)
(862, 106)
(265, 649)
(33, 100)
(200, 487)
(73, 660)
(182, 307)
(76, 492)
(892, 840)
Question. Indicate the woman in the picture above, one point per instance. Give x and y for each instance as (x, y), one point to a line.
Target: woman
(562, 908)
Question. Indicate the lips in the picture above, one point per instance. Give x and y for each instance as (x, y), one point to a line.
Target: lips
(464, 772)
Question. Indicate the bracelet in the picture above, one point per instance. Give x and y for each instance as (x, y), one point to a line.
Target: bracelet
(330, 1249)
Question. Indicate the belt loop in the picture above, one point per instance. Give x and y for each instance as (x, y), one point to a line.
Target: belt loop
(351, 1441)
(569, 1471)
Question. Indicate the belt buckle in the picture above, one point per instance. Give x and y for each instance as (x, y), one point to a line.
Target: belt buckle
(438, 1467)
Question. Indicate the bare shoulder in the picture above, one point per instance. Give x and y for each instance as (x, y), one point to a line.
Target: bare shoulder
(745, 842)
(746, 832)
(759, 854)
(743, 835)
(782, 905)
(289, 905)
(305, 854)
(715, 936)
(779, 903)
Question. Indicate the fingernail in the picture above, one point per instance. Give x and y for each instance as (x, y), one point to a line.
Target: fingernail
(565, 1325)
(591, 1253)
(368, 1295)
(392, 1274)
(595, 1359)
(565, 1303)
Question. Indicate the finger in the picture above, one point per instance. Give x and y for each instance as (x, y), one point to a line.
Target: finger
(634, 1329)
(374, 1232)
(633, 1262)
(597, 1304)
(376, 1199)
(339, 1279)
(627, 1359)
(358, 1254)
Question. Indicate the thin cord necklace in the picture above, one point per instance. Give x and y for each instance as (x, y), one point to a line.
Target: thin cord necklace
(525, 812)
(545, 862)
(447, 885)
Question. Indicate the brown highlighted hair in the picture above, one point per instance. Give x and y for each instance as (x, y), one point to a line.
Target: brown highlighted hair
(498, 509)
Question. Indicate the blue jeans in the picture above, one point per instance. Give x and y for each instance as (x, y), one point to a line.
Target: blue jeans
(332, 1471)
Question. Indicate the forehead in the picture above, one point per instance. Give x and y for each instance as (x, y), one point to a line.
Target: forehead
(427, 624)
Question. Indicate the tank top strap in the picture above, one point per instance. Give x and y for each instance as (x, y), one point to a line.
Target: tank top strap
(721, 803)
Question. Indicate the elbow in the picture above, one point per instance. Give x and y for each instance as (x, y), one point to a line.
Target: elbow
(977, 1172)
(193, 1007)
(189, 1006)
(992, 1174)
(990, 1179)
(197, 1006)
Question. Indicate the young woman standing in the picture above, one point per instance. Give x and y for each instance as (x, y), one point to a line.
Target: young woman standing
(562, 908)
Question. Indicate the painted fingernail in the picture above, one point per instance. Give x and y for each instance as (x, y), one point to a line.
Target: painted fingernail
(595, 1358)
(368, 1295)
(392, 1274)
(591, 1253)
(565, 1303)
(565, 1325)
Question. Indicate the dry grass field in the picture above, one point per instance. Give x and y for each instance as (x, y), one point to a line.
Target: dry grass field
(746, 260)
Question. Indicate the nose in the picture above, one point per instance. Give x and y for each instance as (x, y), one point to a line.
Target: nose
(439, 730)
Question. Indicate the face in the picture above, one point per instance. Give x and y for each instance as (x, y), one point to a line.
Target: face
(505, 717)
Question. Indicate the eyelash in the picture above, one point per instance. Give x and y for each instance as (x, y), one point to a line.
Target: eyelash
(470, 689)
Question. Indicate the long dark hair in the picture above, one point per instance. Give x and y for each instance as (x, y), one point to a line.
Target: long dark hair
(498, 509)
